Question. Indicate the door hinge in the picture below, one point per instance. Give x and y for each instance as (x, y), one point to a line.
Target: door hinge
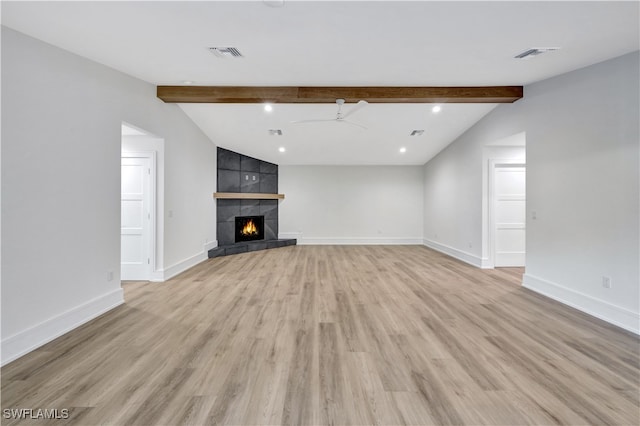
(148, 261)
(149, 170)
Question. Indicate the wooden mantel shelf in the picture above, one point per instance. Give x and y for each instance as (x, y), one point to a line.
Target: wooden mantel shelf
(247, 196)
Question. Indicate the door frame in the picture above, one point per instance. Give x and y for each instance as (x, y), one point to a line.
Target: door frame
(151, 156)
(495, 163)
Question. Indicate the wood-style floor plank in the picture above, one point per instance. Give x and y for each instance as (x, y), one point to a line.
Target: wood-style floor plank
(334, 335)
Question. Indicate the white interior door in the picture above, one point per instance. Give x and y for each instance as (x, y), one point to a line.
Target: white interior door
(136, 218)
(510, 214)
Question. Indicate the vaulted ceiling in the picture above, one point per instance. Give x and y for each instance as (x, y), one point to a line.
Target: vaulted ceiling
(340, 43)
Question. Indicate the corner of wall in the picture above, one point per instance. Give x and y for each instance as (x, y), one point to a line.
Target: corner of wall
(183, 265)
(464, 256)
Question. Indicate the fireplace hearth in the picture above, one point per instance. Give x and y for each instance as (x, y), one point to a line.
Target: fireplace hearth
(249, 228)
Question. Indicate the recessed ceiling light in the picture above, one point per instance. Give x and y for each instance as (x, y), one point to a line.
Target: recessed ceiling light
(416, 133)
(403, 150)
(281, 149)
(436, 109)
(268, 107)
(275, 132)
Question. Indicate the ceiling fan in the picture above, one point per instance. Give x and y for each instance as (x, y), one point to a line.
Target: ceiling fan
(340, 117)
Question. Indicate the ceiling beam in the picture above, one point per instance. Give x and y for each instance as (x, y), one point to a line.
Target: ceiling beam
(296, 95)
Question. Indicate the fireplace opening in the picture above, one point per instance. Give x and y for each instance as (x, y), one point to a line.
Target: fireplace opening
(249, 228)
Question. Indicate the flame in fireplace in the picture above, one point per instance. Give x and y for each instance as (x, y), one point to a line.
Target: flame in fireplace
(249, 228)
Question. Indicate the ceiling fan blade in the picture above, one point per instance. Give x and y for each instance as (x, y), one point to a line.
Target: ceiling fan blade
(361, 104)
(353, 124)
(312, 121)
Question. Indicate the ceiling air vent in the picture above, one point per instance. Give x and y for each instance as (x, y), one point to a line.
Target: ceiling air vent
(416, 133)
(226, 52)
(275, 132)
(535, 51)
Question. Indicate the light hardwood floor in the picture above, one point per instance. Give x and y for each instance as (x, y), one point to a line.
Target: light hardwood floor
(352, 335)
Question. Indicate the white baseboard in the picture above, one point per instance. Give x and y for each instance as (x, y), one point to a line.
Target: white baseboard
(606, 311)
(289, 235)
(359, 241)
(486, 264)
(183, 265)
(469, 258)
(345, 241)
(157, 276)
(13, 347)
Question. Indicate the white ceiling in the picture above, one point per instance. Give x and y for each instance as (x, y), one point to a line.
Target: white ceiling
(337, 143)
(382, 43)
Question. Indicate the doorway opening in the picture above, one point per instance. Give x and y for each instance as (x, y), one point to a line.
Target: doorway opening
(504, 202)
(140, 198)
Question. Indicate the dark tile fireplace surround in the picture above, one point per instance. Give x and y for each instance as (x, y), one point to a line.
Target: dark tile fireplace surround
(238, 173)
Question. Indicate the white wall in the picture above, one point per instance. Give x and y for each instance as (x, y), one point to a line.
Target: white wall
(351, 204)
(453, 187)
(180, 197)
(61, 142)
(582, 153)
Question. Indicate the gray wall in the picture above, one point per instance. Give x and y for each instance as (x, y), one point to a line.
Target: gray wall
(61, 142)
(582, 149)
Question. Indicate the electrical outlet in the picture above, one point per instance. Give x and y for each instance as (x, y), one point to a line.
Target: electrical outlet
(251, 177)
(606, 282)
(534, 215)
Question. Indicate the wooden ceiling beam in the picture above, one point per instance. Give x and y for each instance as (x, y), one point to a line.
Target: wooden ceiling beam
(296, 95)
